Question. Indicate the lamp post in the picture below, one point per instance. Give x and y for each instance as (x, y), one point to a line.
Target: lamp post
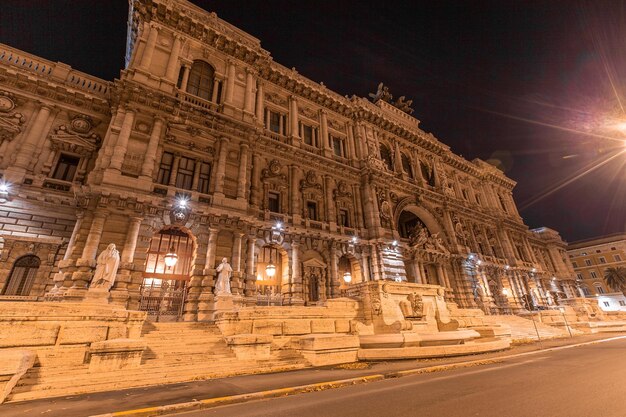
(171, 258)
(562, 310)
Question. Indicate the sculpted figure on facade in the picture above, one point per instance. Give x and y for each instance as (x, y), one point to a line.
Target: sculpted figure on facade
(418, 236)
(106, 268)
(413, 306)
(224, 272)
(382, 93)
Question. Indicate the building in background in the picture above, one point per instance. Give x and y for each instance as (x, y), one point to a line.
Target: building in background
(206, 148)
(590, 258)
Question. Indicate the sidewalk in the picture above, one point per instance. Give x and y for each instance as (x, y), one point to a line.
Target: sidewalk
(220, 391)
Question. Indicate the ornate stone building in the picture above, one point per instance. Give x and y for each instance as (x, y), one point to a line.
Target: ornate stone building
(206, 148)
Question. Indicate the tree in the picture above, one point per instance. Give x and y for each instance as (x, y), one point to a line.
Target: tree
(615, 278)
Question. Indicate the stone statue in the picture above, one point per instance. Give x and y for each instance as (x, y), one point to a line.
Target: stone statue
(106, 268)
(382, 93)
(224, 271)
(418, 236)
(413, 306)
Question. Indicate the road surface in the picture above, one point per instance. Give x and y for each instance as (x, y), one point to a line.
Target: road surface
(586, 381)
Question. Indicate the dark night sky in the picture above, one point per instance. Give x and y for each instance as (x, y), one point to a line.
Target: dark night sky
(532, 84)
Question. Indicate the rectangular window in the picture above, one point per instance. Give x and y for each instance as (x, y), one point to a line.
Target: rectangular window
(311, 209)
(588, 262)
(66, 168)
(273, 202)
(574, 264)
(606, 304)
(344, 219)
(165, 168)
(586, 291)
(309, 135)
(617, 258)
(205, 176)
(602, 260)
(599, 290)
(338, 146)
(275, 122)
(184, 177)
(622, 303)
(593, 274)
(579, 276)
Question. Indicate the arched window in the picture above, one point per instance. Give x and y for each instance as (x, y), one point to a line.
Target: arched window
(22, 276)
(201, 80)
(406, 166)
(385, 155)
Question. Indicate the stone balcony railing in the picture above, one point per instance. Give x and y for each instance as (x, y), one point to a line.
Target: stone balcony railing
(57, 72)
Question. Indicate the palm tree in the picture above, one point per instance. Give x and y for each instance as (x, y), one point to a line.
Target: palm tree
(615, 278)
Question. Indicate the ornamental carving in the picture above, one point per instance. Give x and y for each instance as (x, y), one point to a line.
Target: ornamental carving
(307, 112)
(342, 190)
(383, 94)
(276, 99)
(273, 171)
(76, 138)
(310, 181)
(179, 215)
(412, 307)
(10, 123)
(335, 125)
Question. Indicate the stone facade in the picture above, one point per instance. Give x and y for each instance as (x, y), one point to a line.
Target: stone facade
(208, 148)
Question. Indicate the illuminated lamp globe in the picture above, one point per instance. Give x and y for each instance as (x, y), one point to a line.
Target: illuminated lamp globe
(270, 270)
(347, 277)
(170, 258)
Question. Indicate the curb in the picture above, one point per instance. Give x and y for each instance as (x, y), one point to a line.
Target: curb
(320, 386)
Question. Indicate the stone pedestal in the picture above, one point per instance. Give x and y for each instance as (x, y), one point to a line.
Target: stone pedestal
(97, 295)
(223, 303)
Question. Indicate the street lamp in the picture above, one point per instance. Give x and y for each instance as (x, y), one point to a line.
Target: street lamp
(171, 258)
(270, 268)
(347, 277)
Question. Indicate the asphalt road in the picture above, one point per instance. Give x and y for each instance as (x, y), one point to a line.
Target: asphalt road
(586, 381)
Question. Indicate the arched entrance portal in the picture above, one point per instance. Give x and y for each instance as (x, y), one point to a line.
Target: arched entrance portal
(270, 267)
(167, 273)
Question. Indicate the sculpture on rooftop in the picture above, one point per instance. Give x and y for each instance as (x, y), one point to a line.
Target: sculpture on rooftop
(382, 93)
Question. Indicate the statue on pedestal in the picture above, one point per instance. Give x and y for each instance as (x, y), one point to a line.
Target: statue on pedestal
(224, 272)
(106, 268)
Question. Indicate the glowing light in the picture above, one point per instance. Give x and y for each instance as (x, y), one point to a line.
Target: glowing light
(479, 262)
(270, 269)
(182, 202)
(505, 292)
(354, 239)
(394, 243)
(507, 267)
(278, 226)
(4, 187)
(171, 258)
(347, 277)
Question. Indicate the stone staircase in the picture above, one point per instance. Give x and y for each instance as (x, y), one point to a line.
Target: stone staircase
(522, 329)
(176, 352)
(393, 265)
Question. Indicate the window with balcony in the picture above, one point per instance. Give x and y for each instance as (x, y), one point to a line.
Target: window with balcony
(66, 168)
(343, 218)
(406, 166)
(201, 77)
(204, 178)
(311, 210)
(184, 176)
(275, 122)
(165, 168)
(273, 202)
(309, 135)
(339, 146)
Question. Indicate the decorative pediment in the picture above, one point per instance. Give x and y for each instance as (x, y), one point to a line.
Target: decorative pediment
(313, 263)
(76, 138)
(273, 171)
(10, 123)
(342, 191)
(310, 181)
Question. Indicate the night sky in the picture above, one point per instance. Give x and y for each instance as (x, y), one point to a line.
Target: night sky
(536, 86)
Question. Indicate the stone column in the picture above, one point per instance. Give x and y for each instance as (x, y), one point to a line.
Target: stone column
(236, 264)
(220, 171)
(295, 192)
(128, 253)
(230, 84)
(248, 101)
(365, 267)
(29, 145)
(351, 145)
(334, 279)
(147, 168)
(256, 186)
(422, 271)
(293, 116)
(324, 133)
(70, 245)
(331, 215)
(296, 275)
(172, 64)
(260, 111)
(447, 222)
(440, 278)
(250, 277)
(119, 152)
(211, 246)
(242, 178)
(196, 176)
(397, 166)
(174, 172)
(148, 51)
(186, 70)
